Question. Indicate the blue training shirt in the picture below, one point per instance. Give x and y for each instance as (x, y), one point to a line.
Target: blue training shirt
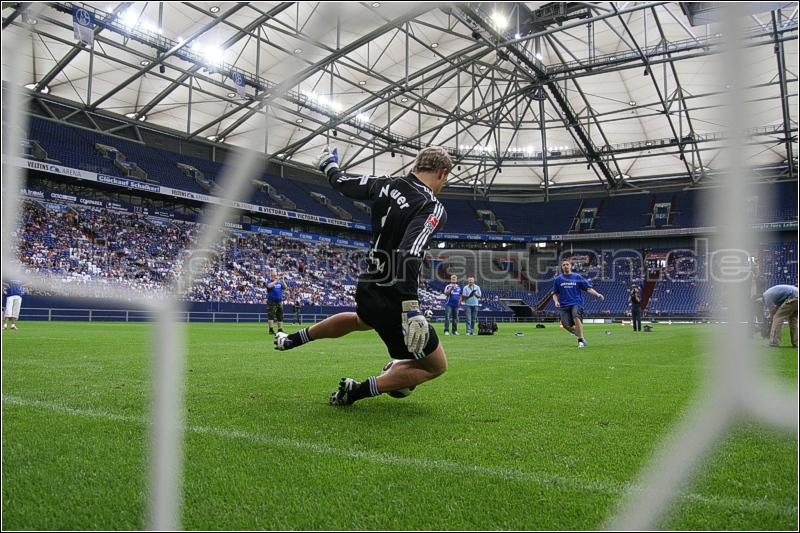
(14, 287)
(569, 287)
(275, 294)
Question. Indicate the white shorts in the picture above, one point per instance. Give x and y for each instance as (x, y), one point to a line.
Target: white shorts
(13, 303)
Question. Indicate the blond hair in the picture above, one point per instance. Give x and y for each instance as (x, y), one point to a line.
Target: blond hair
(433, 159)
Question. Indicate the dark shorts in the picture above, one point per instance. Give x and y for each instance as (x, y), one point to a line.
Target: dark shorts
(570, 313)
(275, 310)
(381, 309)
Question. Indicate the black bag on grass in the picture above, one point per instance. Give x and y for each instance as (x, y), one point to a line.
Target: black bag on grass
(487, 328)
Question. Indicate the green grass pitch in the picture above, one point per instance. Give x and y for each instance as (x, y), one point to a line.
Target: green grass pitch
(522, 433)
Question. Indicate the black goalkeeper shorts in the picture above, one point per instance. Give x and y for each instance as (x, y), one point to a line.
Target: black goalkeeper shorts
(382, 309)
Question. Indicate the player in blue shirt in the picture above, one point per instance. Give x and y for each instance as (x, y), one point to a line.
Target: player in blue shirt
(568, 298)
(781, 300)
(13, 290)
(275, 301)
(453, 293)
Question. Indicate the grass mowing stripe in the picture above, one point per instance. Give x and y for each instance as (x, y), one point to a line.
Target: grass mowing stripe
(446, 466)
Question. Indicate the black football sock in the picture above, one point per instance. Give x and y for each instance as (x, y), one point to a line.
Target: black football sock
(300, 338)
(366, 389)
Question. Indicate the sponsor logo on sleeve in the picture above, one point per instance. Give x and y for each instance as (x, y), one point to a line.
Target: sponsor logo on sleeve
(432, 222)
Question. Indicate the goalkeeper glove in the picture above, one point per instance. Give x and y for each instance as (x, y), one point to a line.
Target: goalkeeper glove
(415, 327)
(327, 159)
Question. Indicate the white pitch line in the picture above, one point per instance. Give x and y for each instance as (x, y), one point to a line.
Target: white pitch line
(543, 479)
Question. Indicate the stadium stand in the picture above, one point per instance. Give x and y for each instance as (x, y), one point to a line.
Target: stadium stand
(535, 219)
(461, 218)
(624, 213)
(88, 249)
(75, 147)
(778, 263)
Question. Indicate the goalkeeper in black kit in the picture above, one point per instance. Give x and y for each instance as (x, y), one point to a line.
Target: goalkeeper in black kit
(405, 215)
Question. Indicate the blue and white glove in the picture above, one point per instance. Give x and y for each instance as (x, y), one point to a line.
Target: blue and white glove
(415, 327)
(327, 159)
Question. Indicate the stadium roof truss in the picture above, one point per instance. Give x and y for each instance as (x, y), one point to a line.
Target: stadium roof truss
(531, 99)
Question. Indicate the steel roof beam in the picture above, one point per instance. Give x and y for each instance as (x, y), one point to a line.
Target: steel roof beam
(227, 44)
(780, 56)
(539, 74)
(20, 9)
(121, 46)
(160, 60)
(457, 60)
(72, 54)
(590, 113)
(285, 86)
(678, 134)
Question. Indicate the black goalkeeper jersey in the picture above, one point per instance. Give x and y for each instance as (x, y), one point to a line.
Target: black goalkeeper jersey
(405, 215)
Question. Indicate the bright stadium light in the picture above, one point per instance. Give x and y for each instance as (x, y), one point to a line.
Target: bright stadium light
(500, 20)
(324, 101)
(215, 56)
(32, 87)
(129, 19)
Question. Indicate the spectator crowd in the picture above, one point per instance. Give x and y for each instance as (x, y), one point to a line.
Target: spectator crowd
(87, 251)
